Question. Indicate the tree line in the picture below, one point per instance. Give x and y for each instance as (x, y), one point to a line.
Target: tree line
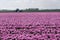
(32, 10)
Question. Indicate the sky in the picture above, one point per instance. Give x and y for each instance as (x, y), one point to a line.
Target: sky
(23, 4)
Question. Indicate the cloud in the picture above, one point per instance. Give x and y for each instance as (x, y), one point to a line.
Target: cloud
(22, 4)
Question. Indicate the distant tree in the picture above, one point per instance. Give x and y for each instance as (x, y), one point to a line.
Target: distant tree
(32, 10)
(17, 10)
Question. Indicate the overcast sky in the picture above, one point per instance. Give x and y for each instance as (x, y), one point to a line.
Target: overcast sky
(22, 4)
